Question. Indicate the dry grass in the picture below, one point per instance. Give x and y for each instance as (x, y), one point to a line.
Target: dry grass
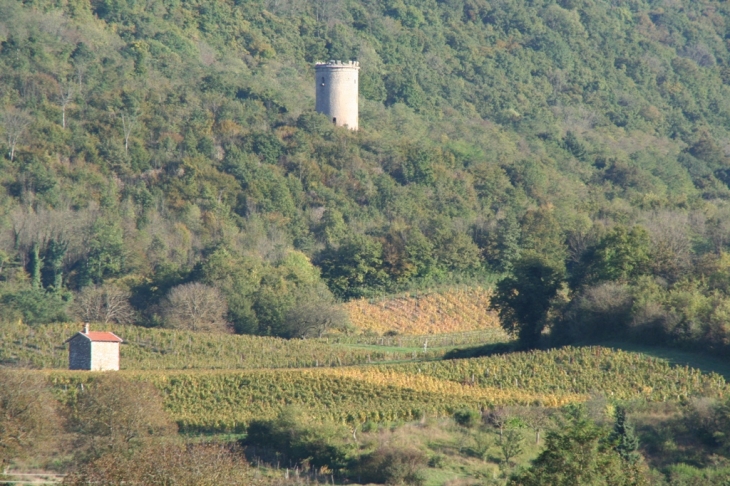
(456, 310)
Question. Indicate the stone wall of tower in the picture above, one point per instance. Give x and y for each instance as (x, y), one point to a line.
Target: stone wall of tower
(337, 92)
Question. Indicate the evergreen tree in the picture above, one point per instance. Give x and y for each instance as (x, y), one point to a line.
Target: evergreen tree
(35, 264)
(508, 242)
(54, 263)
(579, 454)
(573, 145)
(624, 437)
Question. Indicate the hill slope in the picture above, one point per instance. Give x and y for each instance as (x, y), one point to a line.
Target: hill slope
(211, 400)
(153, 144)
(164, 349)
(456, 310)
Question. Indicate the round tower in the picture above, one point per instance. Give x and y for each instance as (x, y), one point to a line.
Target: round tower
(336, 83)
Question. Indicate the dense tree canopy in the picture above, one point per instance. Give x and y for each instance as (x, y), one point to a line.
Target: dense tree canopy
(151, 145)
(523, 300)
(28, 419)
(580, 452)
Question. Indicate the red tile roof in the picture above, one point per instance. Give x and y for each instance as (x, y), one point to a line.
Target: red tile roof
(107, 337)
(99, 337)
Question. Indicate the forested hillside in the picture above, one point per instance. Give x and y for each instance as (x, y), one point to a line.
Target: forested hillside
(161, 147)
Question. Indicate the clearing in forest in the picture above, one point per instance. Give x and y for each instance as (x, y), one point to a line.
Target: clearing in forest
(456, 310)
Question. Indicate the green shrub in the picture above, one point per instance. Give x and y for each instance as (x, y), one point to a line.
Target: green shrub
(390, 465)
(602, 311)
(437, 461)
(36, 306)
(292, 436)
(467, 417)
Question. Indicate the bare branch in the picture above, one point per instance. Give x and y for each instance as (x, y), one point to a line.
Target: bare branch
(105, 304)
(196, 307)
(15, 123)
(128, 122)
(65, 96)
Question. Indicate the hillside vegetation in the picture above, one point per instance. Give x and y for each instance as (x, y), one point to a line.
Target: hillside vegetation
(458, 310)
(154, 349)
(212, 400)
(571, 156)
(153, 145)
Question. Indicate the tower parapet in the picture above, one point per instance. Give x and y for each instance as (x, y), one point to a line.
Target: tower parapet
(337, 92)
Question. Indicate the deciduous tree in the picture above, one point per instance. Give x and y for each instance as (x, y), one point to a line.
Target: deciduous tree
(355, 267)
(105, 303)
(117, 416)
(314, 312)
(621, 254)
(196, 307)
(523, 299)
(510, 445)
(65, 96)
(15, 122)
(28, 418)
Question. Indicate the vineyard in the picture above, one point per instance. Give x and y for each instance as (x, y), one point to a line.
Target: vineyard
(456, 310)
(424, 327)
(164, 349)
(586, 370)
(220, 382)
(428, 341)
(226, 401)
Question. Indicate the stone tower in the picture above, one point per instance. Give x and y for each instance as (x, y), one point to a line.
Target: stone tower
(337, 90)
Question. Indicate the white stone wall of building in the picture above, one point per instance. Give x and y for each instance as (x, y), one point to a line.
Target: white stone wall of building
(104, 356)
(337, 92)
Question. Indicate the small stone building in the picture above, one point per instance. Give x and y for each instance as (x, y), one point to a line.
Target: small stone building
(95, 351)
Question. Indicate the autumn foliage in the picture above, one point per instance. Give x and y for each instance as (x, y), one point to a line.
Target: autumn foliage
(456, 310)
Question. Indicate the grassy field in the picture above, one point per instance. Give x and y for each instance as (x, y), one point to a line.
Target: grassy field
(421, 342)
